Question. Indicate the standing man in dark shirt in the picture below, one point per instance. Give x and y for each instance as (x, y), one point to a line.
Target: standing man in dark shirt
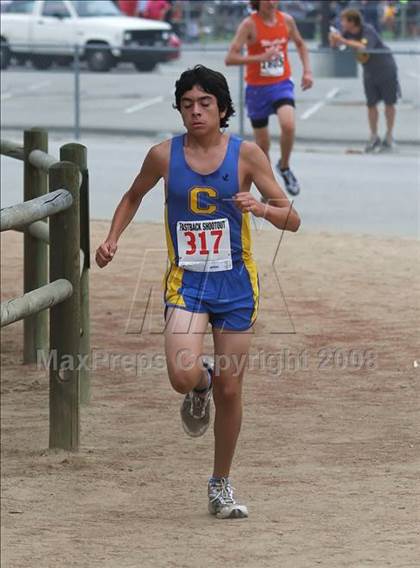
(380, 76)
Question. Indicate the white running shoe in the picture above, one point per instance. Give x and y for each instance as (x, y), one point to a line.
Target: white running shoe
(221, 501)
(290, 182)
(387, 145)
(195, 409)
(373, 145)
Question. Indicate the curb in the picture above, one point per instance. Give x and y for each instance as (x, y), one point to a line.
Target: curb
(148, 133)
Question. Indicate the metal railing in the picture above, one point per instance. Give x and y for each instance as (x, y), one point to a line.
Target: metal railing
(343, 56)
(342, 61)
(58, 190)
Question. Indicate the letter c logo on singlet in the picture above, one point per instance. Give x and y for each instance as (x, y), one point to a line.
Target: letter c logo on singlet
(194, 204)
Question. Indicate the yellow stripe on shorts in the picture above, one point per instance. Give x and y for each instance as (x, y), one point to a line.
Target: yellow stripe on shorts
(249, 262)
(173, 277)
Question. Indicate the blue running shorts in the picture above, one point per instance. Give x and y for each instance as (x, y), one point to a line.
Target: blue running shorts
(263, 100)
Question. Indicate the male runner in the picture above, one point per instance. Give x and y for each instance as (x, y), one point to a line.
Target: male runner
(270, 90)
(212, 276)
(380, 74)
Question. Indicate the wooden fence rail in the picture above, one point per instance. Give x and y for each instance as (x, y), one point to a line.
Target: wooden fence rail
(42, 160)
(35, 301)
(39, 230)
(29, 211)
(11, 149)
(58, 190)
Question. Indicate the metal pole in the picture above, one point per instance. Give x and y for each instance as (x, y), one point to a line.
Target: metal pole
(241, 101)
(76, 92)
(65, 317)
(35, 257)
(325, 23)
(403, 7)
(188, 20)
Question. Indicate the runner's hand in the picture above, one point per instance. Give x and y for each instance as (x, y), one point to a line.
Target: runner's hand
(307, 80)
(269, 55)
(105, 253)
(247, 203)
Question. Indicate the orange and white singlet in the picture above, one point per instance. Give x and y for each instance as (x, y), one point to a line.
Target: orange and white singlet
(269, 72)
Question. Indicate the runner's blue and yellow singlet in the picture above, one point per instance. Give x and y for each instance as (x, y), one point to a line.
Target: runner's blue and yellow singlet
(211, 268)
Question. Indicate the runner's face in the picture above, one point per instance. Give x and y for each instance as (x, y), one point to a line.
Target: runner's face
(268, 7)
(200, 112)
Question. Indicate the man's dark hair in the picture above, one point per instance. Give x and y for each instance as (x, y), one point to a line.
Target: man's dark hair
(255, 4)
(211, 82)
(352, 16)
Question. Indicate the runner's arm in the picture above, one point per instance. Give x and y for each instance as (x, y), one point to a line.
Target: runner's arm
(150, 173)
(243, 35)
(307, 79)
(278, 210)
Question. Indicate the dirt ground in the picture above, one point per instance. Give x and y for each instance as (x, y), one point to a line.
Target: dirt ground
(328, 458)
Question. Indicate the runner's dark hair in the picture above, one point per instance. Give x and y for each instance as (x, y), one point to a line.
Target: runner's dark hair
(211, 82)
(255, 4)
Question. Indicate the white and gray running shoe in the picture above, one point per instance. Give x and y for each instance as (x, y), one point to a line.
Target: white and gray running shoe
(387, 145)
(373, 145)
(195, 409)
(290, 182)
(221, 501)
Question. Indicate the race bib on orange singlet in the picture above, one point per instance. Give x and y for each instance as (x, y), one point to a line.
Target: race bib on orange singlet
(204, 246)
(273, 68)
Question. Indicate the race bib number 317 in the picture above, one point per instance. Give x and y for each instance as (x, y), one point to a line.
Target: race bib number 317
(204, 246)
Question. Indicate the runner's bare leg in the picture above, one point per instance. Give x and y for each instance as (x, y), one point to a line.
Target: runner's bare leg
(286, 116)
(184, 339)
(262, 139)
(231, 351)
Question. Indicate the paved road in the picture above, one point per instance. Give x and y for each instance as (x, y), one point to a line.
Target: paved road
(127, 102)
(354, 193)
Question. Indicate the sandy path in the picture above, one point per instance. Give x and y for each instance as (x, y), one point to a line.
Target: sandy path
(328, 459)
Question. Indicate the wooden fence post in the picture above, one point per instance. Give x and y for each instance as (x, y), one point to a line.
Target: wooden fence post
(77, 154)
(65, 317)
(35, 263)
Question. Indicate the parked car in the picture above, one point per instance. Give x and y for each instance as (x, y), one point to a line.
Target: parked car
(4, 4)
(47, 31)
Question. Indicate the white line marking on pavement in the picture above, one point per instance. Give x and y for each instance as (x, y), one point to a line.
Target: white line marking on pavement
(142, 105)
(37, 86)
(31, 88)
(314, 108)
